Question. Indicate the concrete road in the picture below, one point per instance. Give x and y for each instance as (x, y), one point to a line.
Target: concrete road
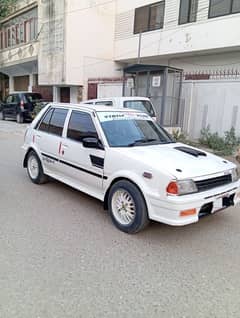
(61, 257)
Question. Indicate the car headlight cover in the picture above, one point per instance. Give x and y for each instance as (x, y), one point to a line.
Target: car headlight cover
(235, 175)
(181, 187)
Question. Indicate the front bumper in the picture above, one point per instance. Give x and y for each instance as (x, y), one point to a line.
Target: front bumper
(207, 202)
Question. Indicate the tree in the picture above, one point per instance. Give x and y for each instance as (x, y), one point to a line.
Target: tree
(6, 7)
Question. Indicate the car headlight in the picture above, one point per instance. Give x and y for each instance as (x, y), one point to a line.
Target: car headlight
(181, 187)
(235, 175)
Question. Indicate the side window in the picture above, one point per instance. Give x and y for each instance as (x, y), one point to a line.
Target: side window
(57, 121)
(106, 103)
(15, 99)
(45, 122)
(9, 99)
(81, 125)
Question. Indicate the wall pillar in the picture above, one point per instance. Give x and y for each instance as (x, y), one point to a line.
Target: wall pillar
(31, 82)
(11, 84)
(73, 94)
(56, 94)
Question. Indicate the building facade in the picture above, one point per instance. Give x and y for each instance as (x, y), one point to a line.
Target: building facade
(78, 49)
(18, 48)
(48, 46)
(202, 37)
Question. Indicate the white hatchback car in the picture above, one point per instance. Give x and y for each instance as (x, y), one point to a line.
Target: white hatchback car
(123, 158)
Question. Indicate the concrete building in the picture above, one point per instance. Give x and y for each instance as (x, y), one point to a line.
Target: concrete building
(79, 50)
(18, 47)
(202, 37)
(54, 46)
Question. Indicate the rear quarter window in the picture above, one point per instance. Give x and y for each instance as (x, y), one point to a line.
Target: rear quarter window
(44, 122)
(53, 121)
(57, 121)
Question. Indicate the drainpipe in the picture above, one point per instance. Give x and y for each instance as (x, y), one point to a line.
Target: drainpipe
(179, 98)
(164, 97)
(190, 109)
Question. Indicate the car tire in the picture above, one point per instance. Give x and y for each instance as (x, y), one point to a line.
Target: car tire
(19, 118)
(2, 116)
(34, 169)
(127, 207)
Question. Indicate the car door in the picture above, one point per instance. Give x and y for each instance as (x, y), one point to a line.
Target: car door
(8, 105)
(15, 105)
(48, 138)
(82, 166)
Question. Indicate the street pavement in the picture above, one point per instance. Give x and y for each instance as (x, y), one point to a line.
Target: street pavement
(61, 257)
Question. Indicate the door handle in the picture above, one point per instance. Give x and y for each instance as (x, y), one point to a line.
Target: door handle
(64, 145)
(38, 136)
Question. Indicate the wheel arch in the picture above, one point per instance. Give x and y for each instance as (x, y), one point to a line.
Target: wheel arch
(26, 155)
(105, 201)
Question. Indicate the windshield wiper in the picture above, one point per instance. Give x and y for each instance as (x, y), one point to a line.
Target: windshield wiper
(141, 141)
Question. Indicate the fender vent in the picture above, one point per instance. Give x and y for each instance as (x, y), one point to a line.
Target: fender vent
(191, 151)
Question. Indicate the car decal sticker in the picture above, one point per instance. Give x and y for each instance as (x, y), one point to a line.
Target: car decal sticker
(76, 167)
(110, 116)
(50, 157)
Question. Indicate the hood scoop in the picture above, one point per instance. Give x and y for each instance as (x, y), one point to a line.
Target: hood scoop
(191, 151)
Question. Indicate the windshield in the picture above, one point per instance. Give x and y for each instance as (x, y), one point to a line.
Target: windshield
(130, 129)
(33, 97)
(142, 105)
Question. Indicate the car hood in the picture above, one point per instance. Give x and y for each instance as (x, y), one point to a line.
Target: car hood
(179, 164)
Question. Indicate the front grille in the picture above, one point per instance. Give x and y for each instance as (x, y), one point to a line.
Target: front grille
(208, 184)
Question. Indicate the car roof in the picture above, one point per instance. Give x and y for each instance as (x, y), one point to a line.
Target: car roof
(96, 108)
(18, 92)
(116, 98)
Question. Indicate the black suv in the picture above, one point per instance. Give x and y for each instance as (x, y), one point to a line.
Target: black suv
(20, 106)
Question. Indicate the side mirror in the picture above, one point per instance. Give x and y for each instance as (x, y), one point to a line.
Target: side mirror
(92, 142)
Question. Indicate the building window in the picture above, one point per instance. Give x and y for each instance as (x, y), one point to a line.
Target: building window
(27, 31)
(13, 42)
(188, 11)
(149, 18)
(219, 8)
(22, 33)
(33, 29)
(9, 42)
(17, 34)
(1, 40)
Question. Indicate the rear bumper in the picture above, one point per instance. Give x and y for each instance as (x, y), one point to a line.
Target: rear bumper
(207, 202)
(28, 115)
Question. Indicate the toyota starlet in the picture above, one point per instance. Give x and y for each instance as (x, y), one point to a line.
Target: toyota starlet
(123, 158)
